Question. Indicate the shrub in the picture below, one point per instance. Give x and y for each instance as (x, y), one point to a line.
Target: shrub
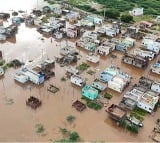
(140, 111)
(107, 95)
(126, 18)
(133, 128)
(39, 128)
(73, 137)
(112, 13)
(70, 118)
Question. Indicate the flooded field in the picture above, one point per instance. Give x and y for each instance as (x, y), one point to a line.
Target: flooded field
(17, 121)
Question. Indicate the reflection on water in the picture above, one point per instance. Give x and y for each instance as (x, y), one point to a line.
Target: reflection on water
(20, 4)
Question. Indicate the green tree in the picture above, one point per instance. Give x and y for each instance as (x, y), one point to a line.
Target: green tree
(111, 13)
(126, 18)
(74, 136)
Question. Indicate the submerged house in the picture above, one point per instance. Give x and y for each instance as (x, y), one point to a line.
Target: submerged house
(3, 35)
(155, 68)
(144, 53)
(72, 70)
(68, 50)
(144, 95)
(73, 32)
(26, 74)
(125, 44)
(73, 16)
(116, 112)
(135, 60)
(90, 92)
(17, 20)
(93, 58)
(86, 44)
(149, 84)
(56, 8)
(105, 48)
(115, 78)
(99, 84)
(1, 71)
(78, 80)
(94, 19)
(142, 98)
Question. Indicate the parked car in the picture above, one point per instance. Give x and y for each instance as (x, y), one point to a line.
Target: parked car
(135, 121)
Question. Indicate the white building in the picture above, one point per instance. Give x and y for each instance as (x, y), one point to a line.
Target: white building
(136, 12)
(105, 48)
(25, 75)
(71, 70)
(156, 86)
(144, 53)
(1, 71)
(93, 58)
(99, 84)
(67, 50)
(118, 84)
(78, 80)
(148, 101)
(21, 77)
(158, 19)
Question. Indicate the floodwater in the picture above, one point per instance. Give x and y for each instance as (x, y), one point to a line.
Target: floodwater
(17, 121)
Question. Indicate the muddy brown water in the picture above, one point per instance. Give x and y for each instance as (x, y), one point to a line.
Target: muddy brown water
(17, 121)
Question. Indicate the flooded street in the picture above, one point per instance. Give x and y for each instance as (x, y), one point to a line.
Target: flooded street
(17, 121)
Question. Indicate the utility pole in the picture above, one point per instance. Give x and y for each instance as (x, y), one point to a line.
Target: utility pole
(104, 14)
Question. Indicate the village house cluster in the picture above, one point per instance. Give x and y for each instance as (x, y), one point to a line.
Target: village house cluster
(99, 39)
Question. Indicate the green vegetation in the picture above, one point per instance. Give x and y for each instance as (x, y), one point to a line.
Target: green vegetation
(137, 116)
(113, 8)
(107, 95)
(2, 62)
(70, 118)
(143, 17)
(63, 78)
(39, 128)
(64, 132)
(151, 7)
(130, 127)
(69, 136)
(91, 72)
(50, 1)
(133, 128)
(127, 18)
(92, 103)
(140, 111)
(83, 67)
(112, 13)
(74, 137)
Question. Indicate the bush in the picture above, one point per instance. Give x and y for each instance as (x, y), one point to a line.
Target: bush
(140, 111)
(112, 13)
(92, 104)
(123, 123)
(39, 128)
(64, 131)
(137, 116)
(73, 137)
(107, 95)
(2, 62)
(70, 118)
(126, 18)
(133, 128)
